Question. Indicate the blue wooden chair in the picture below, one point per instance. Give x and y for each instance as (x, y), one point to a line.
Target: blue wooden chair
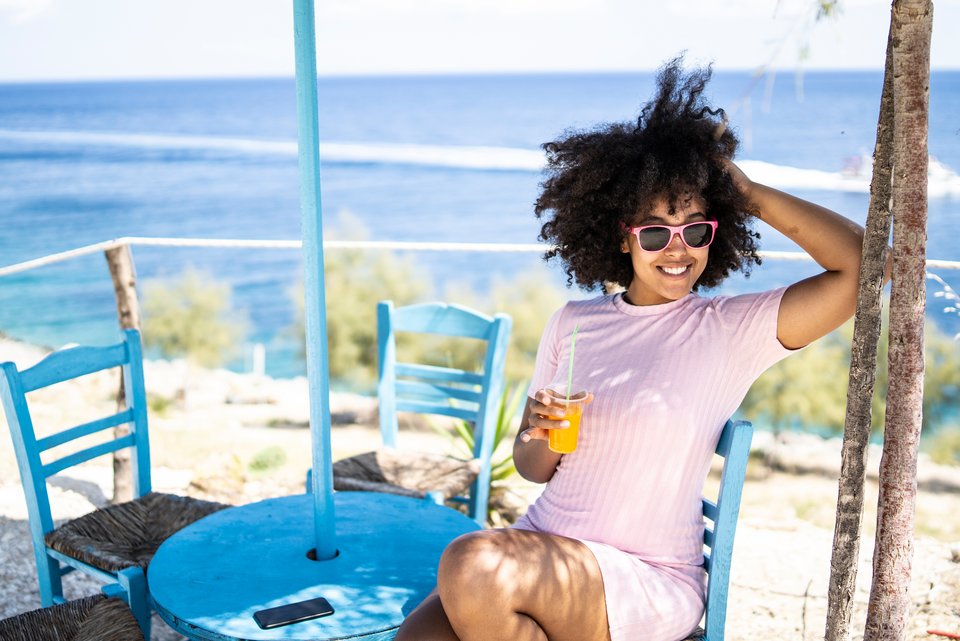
(115, 543)
(429, 389)
(734, 447)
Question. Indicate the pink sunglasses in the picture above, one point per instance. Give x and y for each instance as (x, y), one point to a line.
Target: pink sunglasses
(656, 238)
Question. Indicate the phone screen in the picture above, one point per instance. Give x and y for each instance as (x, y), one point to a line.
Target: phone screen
(293, 612)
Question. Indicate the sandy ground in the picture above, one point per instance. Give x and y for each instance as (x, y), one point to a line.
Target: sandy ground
(208, 444)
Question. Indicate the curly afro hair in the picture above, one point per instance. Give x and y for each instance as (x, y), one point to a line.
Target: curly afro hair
(599, 180)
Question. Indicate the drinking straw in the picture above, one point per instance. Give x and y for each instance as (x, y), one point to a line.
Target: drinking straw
(573, 340)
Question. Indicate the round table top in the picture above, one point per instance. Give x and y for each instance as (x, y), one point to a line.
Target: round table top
(208, 579)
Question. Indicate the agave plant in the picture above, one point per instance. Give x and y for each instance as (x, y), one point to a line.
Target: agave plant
(462, 438)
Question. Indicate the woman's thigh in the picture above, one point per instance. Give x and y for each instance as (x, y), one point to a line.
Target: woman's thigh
(517, 584)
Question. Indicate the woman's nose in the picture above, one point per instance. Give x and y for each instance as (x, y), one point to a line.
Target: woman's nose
(676, 245)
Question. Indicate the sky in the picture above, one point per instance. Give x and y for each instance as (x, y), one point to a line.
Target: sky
(118, 39)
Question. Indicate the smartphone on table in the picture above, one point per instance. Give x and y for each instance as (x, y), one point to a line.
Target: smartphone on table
(293, 613)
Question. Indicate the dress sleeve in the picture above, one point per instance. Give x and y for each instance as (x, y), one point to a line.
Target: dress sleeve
(752, 320)
(548, 354)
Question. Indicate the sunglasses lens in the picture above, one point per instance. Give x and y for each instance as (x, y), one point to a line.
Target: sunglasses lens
(654, 239)
(698, 235)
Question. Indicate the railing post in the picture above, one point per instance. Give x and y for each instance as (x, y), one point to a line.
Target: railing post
(124, 277)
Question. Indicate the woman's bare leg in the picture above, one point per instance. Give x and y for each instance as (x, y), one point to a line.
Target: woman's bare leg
(428, 622)
(513, 584)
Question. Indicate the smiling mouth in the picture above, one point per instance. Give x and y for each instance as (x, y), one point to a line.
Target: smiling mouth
(675, 271)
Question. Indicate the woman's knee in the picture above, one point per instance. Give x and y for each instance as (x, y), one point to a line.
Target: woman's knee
(481, 560)
(473, 577)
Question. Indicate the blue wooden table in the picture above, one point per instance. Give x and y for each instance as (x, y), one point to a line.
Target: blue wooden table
(208, 579)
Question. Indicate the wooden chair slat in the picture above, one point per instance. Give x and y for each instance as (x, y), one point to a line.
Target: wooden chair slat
(87, 454)
(443, 319)
(417, 390)
(710, 510)
(72, 363)
(85, 429)
(86, 568)
(708, 537)
(440, 409)
(437, 373)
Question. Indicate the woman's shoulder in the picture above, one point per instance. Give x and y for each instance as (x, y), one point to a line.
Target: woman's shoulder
(740, 305)
(574, 312)
(587, 306)
(748, 298)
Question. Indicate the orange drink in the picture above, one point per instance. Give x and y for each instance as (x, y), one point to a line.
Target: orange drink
(564, 440)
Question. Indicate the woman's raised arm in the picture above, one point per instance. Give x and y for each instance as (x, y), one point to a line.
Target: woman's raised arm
(815, 306)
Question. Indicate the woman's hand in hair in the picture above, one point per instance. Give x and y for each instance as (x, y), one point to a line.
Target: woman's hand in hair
(740, 179)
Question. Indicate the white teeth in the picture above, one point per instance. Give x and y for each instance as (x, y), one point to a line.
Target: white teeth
(675, 271)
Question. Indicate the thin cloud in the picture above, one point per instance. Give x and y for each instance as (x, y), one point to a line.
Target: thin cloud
(23, 10)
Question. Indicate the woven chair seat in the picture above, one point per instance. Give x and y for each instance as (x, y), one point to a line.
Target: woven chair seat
(128, 534)
(696, 636)
(94, 618)
(405, 473)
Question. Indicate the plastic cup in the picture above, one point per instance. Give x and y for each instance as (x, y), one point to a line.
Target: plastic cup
(564, 440)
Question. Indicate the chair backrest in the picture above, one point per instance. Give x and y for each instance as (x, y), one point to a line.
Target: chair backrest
(429, 389)
(734, 447)
(56, 368)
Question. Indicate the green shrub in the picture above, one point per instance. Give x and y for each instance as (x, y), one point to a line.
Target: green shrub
(530, 300)
(191, 318)
(159, 405)
(355, 280)
(943, 445)
(809, 389)
(463, 437)
(267, 459)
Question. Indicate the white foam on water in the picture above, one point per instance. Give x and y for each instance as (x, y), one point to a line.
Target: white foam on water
(151, 141)
(463, 157)
(943, 181)
(796, 178)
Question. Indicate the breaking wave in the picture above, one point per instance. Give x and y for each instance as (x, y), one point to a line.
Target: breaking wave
(943, 181)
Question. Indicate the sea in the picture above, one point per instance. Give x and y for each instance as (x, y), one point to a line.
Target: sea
(406, 158)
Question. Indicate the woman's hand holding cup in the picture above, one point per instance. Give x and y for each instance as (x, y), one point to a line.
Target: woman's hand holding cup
(552, 415)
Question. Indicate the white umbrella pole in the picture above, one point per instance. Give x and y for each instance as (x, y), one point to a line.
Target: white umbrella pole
(318, 372)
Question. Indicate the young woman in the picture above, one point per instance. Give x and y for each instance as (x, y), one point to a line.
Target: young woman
(612, 549)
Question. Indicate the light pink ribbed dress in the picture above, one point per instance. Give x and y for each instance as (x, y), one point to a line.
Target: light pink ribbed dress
(665, 378)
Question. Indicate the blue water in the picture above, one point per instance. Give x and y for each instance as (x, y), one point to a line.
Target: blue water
(85, 162)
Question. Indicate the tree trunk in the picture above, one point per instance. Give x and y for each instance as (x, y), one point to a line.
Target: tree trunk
(889, 607)
(862, 378)
(124, 277)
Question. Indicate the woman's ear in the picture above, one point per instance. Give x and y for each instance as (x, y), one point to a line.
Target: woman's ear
(625, 245)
